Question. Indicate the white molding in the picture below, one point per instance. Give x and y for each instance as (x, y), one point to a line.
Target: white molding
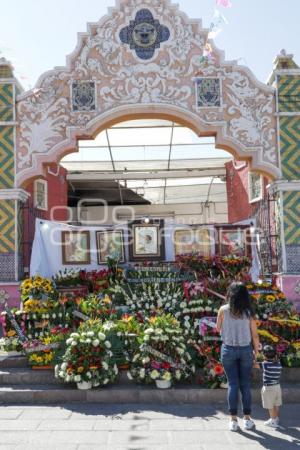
(14, 194)
(8, 124)
(287, 113)
(287, 72)
(284, 186)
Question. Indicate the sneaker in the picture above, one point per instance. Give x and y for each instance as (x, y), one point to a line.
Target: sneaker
(273, 423)
(249, 424)
(233, 425)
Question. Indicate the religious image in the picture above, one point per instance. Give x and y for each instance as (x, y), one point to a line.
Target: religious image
(146, 240)
(75, 247)
(110, 244)
(232, 242)
(192, 241)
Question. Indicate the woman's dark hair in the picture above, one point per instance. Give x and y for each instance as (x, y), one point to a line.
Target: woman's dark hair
(239, 300)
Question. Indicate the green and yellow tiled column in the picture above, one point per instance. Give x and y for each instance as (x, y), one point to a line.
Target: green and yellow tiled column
(287, 76)
(10, 197)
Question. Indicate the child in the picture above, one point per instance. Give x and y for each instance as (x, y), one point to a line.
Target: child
(271, 391)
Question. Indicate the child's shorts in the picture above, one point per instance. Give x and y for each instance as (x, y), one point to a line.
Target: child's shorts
(271, 396)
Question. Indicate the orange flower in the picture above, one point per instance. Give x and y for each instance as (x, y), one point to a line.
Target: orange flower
(11, 333)
(93, 367)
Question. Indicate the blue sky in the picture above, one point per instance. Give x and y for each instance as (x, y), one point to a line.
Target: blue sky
(41, 33)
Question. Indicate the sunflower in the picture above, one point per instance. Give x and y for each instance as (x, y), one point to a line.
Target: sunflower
(270, 298)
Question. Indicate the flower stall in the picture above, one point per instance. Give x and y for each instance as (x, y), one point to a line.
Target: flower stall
(156, 320)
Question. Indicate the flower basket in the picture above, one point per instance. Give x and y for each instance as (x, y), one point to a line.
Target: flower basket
(163, 384)
(123, 366)
(84, 385)
(42, 367)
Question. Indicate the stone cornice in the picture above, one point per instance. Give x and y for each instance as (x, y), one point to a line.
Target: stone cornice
(284, 186)
(14, 194)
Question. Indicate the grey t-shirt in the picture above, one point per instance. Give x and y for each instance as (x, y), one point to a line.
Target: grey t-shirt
(235, 331)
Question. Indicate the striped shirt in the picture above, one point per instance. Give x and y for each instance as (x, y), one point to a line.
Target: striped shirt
(271, 372)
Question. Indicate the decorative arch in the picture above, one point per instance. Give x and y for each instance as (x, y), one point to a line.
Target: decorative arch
(144, 59)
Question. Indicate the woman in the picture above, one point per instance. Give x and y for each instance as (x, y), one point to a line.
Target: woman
(239, 349)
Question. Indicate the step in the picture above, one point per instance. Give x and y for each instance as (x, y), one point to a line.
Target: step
(116, 394)
(15, 361)
(26, 375)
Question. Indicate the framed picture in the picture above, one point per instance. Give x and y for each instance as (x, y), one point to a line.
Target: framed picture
(147, 241)
(233, 241)
(110, 243)
(75, 247)
(192, 241)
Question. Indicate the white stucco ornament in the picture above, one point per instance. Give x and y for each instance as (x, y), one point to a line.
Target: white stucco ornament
(144, 57)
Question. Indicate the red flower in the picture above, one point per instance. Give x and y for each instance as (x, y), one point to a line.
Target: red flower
(218, 369)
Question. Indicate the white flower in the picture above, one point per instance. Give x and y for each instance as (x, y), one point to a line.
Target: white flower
(167, 305)
(73, 343)
(89, 375)
(107, 344)
(105, 365)
(106, 381)
(116, 369)
(95, 342)
(146, 360)
(63, 366)
(178, 374)
(129, 376)
(56, 370)
(186, 318)
(136, 357)
(77, 378)
(180, 351)
(60, 314)
(154, 374)
(149, 331)
(167, 376)
(68, 378)
(88, 341)
(142, 373)
(101, 336)
(61, 374)
(90, 334)
(53, 316)
(74, 335)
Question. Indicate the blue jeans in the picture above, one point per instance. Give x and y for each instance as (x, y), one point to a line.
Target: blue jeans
(238, 363)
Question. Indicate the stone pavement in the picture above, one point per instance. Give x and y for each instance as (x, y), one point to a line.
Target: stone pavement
(140, 427)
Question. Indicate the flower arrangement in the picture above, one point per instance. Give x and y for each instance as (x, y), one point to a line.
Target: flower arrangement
(88, 357)
(162, 354)
(37, 288)
(67, 278)
(153, 297)
(10, 343)
(269, 301)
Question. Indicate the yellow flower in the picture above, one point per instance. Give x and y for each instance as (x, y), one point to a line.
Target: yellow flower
(270, 298)
(268, 335)
(80, 369)
(11, 333)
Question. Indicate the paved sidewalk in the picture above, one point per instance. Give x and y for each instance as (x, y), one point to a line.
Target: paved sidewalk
(140, 427)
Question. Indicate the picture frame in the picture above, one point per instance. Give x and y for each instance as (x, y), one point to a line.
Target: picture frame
(75, 247)
(233, 241)
(110, 243)
(190, 241)
(146, 241)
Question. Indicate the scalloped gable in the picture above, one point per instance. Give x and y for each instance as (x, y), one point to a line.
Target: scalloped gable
(156, 69)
